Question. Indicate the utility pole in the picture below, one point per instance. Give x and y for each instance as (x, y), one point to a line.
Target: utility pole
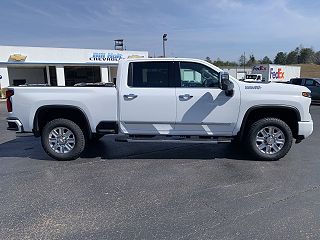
(164, 39)
(244, 62)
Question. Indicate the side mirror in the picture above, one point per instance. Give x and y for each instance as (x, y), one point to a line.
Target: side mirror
(226, 84)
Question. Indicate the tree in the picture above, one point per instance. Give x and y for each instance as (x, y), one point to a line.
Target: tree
(252, 60)
(265, 60)
(242, 60)
(219, 62)
(230, 64)
(208, 59)
(293, 56)
(281, 58)
(306, 55)
(317, 58)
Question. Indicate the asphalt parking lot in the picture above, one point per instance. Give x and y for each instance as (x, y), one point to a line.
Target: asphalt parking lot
(158, 191)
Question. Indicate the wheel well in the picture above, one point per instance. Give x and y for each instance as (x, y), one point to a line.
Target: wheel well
(289, 115)
(48, 113)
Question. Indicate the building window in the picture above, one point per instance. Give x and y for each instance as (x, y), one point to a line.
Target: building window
(19, 82)
(53, 76)
(74, 75)
(27, 75)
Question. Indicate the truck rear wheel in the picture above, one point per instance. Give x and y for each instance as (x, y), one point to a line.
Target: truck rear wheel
(269, 139)
(62, 139)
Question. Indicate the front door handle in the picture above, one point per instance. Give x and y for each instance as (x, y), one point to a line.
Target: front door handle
(130, 96)
(185, 97)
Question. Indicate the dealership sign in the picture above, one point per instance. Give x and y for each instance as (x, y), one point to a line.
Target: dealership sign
(105, 57)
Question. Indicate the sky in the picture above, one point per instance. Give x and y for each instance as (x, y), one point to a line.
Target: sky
(196, 28)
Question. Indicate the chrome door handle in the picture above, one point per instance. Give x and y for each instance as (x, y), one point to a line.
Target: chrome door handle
(130, 96)
(185, 97)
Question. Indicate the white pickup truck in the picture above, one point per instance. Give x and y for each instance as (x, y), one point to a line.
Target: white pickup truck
(164, 100)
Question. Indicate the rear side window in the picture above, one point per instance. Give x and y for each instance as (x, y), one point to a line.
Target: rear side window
(149, 74)
(296, 81)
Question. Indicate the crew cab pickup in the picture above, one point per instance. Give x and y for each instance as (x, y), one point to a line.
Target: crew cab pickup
(164, 100)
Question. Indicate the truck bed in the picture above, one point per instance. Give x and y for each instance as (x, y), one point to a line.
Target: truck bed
(98, 103)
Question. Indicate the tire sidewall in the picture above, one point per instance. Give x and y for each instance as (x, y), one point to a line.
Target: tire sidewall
(78, 135)
(256, 127)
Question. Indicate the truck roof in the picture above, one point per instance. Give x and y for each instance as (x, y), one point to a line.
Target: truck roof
(162, 59)
(171, 59)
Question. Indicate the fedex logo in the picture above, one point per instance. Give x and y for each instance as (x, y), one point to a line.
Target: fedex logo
(259, 68)
(278, 74)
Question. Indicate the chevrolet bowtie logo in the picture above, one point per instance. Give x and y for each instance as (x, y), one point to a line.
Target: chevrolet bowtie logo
(135, 56)
(17, 57)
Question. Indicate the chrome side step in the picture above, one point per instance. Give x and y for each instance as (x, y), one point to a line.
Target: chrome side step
(184, 140)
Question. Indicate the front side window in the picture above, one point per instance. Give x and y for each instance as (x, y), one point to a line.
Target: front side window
(310, 82)
(196, 75)
(149, 74)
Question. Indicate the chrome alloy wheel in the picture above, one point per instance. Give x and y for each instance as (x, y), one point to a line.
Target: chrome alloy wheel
(270, 140)
(61, 140)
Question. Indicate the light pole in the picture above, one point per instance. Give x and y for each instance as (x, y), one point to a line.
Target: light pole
(164, 39)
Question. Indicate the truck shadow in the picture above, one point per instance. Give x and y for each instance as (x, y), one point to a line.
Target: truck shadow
(107, 148)
(165, 151)
(203, 107)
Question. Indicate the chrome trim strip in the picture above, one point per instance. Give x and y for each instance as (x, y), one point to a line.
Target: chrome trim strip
(178, 141)
(177, 123)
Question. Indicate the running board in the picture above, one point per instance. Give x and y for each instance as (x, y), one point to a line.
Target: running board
(185, 140)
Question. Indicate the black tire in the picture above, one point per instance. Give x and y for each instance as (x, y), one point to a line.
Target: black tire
(78, 135)
(261, 124)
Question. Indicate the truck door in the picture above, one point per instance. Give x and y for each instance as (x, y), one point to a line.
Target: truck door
(202, 107)
(147, 99)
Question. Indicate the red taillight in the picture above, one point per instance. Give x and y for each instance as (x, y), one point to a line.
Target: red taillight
(9, 94)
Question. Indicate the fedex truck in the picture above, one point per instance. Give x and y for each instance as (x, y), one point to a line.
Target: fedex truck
(276, 73)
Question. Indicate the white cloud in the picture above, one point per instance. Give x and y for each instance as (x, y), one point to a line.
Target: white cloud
(218, 28)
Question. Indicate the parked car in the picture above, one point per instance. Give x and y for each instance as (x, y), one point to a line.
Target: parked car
(312, 83)
(164, 100)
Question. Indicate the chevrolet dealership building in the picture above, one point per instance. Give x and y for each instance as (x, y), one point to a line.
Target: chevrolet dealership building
(59, 66)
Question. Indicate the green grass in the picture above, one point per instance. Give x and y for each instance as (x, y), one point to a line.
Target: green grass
(310, 70)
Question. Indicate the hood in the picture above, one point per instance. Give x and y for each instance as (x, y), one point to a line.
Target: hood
(272, 88)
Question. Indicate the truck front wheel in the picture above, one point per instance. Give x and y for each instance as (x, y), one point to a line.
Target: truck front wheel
(269, 139)
(62, 139)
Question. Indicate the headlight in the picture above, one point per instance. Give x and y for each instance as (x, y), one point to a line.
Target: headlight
(306, 94)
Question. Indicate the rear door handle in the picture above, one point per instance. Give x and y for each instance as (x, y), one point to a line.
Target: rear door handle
(185, 97)
(130, 96)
